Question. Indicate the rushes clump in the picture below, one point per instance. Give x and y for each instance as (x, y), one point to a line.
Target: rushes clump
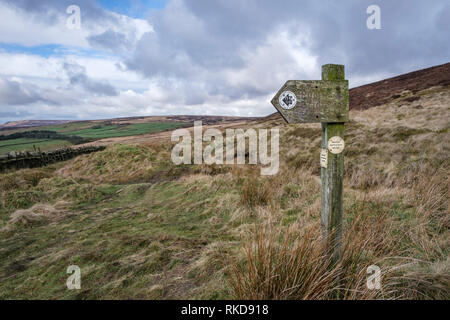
(291, 263)
(256, 193)
(281, 265)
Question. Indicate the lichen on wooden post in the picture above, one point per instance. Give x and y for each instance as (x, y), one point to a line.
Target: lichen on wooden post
(332, 176)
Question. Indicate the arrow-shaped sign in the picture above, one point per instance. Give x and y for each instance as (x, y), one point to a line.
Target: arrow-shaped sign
(302, 101)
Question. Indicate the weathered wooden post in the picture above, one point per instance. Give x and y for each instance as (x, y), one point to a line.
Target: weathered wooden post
(325, 101)
(332, 172)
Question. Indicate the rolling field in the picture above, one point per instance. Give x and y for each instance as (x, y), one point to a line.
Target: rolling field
(88, 130)
(26, 144)
(112, 131)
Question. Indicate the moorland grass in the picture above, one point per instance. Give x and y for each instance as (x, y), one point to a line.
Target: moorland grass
(140, 227)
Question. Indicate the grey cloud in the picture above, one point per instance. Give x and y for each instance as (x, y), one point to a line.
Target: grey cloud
(17, 114)
(17, 93)
(49, 10)
(12, 116)
(199, 41)
(77, 76)
(111, 40)
(211, 34)
(93, 16)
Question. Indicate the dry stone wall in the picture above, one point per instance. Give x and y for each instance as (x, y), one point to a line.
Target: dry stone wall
(20, 160)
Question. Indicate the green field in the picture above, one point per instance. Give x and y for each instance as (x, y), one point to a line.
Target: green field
(88, 130)
(67, 127)
(111, 131)
(26, 144)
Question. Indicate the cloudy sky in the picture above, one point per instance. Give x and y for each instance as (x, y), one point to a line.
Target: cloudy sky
(216, 57)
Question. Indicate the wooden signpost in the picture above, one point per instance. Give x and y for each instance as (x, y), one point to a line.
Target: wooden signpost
(325, 101)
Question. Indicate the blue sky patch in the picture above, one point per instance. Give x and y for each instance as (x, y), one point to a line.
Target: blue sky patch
(133, 8)
(43, 50)
(54, 50)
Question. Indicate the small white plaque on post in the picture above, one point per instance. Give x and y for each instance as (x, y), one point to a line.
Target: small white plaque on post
(336, 145)
(323, 158)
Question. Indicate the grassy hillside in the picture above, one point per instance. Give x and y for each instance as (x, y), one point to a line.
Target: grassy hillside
(140, 227)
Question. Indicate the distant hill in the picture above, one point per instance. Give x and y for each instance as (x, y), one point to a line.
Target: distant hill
(31, 123)
(23, 124)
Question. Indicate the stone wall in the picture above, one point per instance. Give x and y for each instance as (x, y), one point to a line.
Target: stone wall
(20, 160)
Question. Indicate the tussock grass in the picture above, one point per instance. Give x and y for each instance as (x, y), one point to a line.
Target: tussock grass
(23, 179)
(39, 214)
(291, 262)
(256, 193)
(281, 265)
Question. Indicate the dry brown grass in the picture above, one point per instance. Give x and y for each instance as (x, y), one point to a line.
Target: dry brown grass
(40, 213)
(23, 179)
(256, 193)
(424, 280)
(281, 265)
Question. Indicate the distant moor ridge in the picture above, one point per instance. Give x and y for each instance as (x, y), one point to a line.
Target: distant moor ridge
(377, 93)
